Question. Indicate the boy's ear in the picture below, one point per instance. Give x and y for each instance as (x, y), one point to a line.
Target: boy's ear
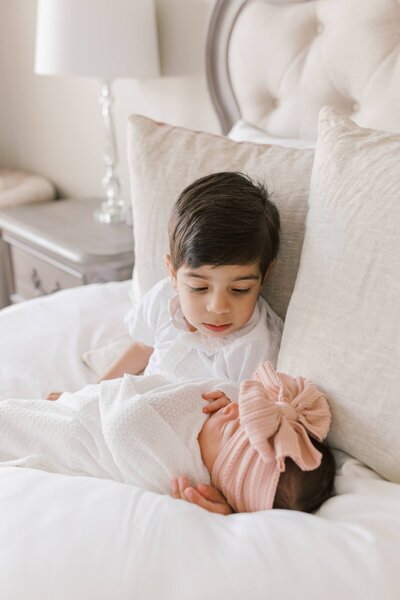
(170, 269)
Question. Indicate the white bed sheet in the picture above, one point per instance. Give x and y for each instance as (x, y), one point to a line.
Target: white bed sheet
(42, 341)
(79, 537)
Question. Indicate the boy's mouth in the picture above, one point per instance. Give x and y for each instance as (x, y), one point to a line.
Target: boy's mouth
(217, 328)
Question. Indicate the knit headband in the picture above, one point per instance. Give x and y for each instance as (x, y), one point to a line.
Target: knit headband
(277, 413)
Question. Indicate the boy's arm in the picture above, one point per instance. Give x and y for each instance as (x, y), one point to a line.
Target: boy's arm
(133, 361)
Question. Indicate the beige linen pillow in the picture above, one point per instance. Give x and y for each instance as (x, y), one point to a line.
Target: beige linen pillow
(164, 159)
(343, 323)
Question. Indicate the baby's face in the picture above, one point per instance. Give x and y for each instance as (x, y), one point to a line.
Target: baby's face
(218, 300)
(217, 431)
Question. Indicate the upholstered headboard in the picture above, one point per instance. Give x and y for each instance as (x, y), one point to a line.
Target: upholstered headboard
(276, 63)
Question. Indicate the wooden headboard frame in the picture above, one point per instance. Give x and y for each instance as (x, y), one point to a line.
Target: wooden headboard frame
(220, 27)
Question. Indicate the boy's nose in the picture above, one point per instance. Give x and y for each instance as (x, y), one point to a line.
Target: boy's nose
(218, 304)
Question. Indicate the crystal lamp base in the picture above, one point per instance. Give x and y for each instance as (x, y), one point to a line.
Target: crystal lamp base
(112, 213)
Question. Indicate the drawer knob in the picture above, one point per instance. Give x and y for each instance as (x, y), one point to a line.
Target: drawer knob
(56, 288)
(38, 286)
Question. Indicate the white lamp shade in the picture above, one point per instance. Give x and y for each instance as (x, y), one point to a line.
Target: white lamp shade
(106, 39)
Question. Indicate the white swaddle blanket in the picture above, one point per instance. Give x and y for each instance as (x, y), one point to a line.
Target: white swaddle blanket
(138, 430)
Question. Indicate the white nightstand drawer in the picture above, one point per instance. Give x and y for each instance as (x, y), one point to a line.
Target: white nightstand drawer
(35, 275)
(58, 245)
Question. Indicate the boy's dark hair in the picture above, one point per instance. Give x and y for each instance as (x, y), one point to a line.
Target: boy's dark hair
(224, 219)
(306, 490)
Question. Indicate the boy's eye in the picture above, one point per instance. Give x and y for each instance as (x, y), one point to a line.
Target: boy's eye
(198, 290)
(241, 290)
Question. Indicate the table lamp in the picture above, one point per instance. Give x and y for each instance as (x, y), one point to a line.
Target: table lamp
(106, 39)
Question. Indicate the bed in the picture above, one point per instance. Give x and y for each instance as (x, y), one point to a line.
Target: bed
(271, 68)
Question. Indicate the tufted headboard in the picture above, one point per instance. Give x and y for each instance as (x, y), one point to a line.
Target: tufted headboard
(276, 63)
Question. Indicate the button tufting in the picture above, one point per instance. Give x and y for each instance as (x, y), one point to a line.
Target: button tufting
(355, 107)
(320, 27)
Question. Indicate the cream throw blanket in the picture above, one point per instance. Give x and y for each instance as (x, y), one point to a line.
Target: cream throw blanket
(137, 430)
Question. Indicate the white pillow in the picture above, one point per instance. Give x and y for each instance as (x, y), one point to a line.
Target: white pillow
(245, 132)
(343, 322)
(164, 159)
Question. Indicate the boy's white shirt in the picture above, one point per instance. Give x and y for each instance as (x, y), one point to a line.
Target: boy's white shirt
(182, 355)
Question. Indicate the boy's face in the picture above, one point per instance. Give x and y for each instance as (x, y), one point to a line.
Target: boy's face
(217, 300)
(217, 431)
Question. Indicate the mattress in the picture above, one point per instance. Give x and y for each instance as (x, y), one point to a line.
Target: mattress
(79, 537)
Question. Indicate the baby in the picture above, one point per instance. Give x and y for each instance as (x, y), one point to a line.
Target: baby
(264, 456)
(146, 432)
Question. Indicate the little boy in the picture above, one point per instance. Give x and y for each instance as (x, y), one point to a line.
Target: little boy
(207, 319)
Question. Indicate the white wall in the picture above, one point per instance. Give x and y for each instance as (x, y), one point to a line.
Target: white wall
(53, 126)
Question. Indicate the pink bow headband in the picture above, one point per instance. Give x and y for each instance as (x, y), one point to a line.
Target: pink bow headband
(277, 413)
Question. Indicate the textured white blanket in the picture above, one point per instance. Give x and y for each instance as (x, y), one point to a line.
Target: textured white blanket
(137, 430)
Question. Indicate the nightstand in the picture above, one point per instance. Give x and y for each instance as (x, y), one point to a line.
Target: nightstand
(56, 245)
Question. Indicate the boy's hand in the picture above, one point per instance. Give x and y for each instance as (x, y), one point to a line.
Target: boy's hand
(205, 496)
(216, 399)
